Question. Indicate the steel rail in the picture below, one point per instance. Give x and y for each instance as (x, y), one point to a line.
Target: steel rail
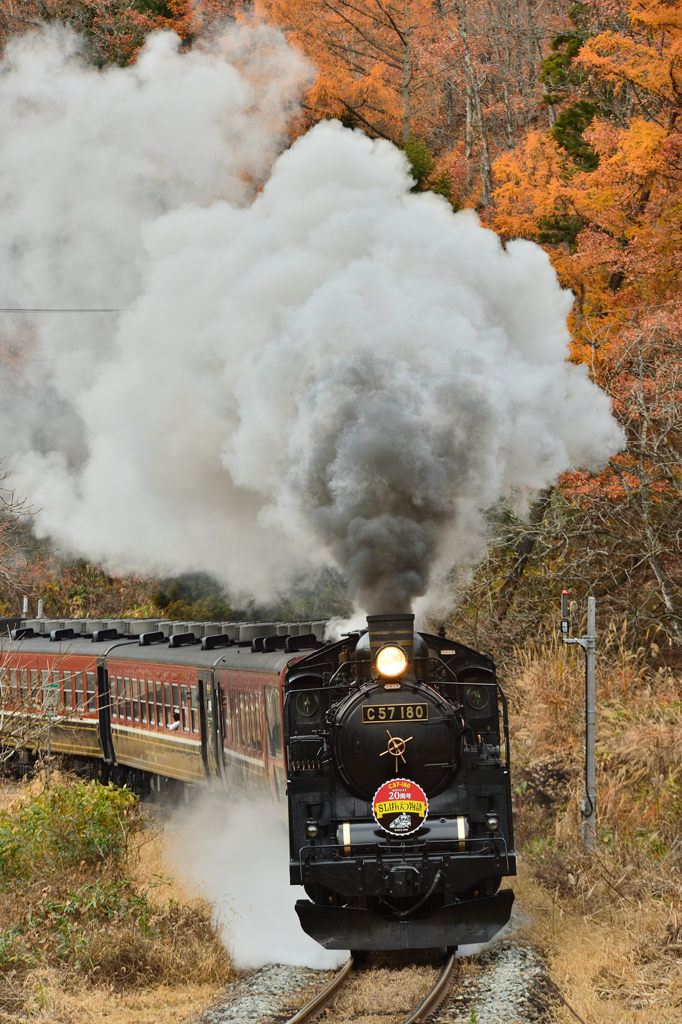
(435, 996)
(322, 997)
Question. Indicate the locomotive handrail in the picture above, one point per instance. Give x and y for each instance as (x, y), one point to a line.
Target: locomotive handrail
(377, 848)
(505, 727)
(449, 669)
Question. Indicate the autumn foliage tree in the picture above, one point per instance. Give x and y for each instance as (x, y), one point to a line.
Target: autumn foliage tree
(377, 60)
(611, 221)
(113, 30)
(602, 191)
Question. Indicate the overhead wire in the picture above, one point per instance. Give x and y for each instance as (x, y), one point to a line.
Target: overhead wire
(61, 309)
(50, 309)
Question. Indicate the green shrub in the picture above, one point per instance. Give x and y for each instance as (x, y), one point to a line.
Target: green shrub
(72, 825)
(13, 952)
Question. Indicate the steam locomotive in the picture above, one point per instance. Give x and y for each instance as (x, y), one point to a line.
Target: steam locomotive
(399, 796)
(389, 748)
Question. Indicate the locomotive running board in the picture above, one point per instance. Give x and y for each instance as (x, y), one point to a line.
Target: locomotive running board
(456, 924)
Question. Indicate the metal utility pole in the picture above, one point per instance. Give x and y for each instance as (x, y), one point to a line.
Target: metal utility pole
(589, 645)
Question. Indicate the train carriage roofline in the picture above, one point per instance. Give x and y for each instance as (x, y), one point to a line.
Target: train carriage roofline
(129, 649)
(235, 658)
(136, 752)
(241, 659)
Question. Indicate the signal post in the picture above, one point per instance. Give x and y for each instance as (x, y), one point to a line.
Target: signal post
(589, 645)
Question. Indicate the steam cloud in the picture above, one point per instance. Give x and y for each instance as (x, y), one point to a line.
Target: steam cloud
(238, 856)
(334, 369)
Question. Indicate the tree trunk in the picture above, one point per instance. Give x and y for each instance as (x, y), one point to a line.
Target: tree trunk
(505, 89)
(665, 584)
(407, 81)
(469, 137)
(524, 550)
(510, 120)
(473, 89)
(516, 49)
(449, 108)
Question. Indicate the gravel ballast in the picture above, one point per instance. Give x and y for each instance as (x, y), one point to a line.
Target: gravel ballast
(508, 985)
(267, 996)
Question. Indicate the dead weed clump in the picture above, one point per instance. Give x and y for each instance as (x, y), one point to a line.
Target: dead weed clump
(109, 932)
(639, 745)
(176, 945)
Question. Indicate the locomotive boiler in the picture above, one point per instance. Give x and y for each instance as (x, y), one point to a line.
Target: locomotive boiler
(397, 758)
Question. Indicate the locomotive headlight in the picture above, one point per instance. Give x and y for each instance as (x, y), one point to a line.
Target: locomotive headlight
(391, 661)
(312, 830)
(492, 823)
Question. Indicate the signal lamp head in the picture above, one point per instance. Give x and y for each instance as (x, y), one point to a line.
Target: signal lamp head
(391, 661)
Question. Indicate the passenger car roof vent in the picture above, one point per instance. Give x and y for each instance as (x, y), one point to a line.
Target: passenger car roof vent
(136, 627)
(301, 643)
(274, 643)
(62, 634)
(156, 636)
(23, 633)
(250, 630)
(214, 640)
(182, 639)
(100, 635)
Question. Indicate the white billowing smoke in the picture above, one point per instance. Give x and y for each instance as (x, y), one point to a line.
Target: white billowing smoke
(87, 160)
(238, 858)
(336, 369)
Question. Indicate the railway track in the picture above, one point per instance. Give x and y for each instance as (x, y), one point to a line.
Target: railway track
(426, 1008)
(323, 997)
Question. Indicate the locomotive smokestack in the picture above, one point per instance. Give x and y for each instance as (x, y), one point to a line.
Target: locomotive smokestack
(395, 629)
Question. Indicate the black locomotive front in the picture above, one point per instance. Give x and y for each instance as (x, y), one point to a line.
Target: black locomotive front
(399, 797)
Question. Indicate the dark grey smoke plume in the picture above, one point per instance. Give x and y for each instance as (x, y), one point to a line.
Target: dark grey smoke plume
(388, 474)
(335, 370)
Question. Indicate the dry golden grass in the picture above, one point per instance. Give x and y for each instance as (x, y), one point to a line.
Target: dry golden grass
(9, 794)
(613, 967)
(42, 996)
(610, 921)
(12, 792)
(148, 860)
(374, 993)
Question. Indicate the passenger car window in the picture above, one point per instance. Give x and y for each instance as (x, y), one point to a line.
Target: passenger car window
(195, 708)
(78, 687)
(273, 719)
(90, 690)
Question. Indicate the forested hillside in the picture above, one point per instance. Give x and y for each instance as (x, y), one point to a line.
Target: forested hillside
(558, 123)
